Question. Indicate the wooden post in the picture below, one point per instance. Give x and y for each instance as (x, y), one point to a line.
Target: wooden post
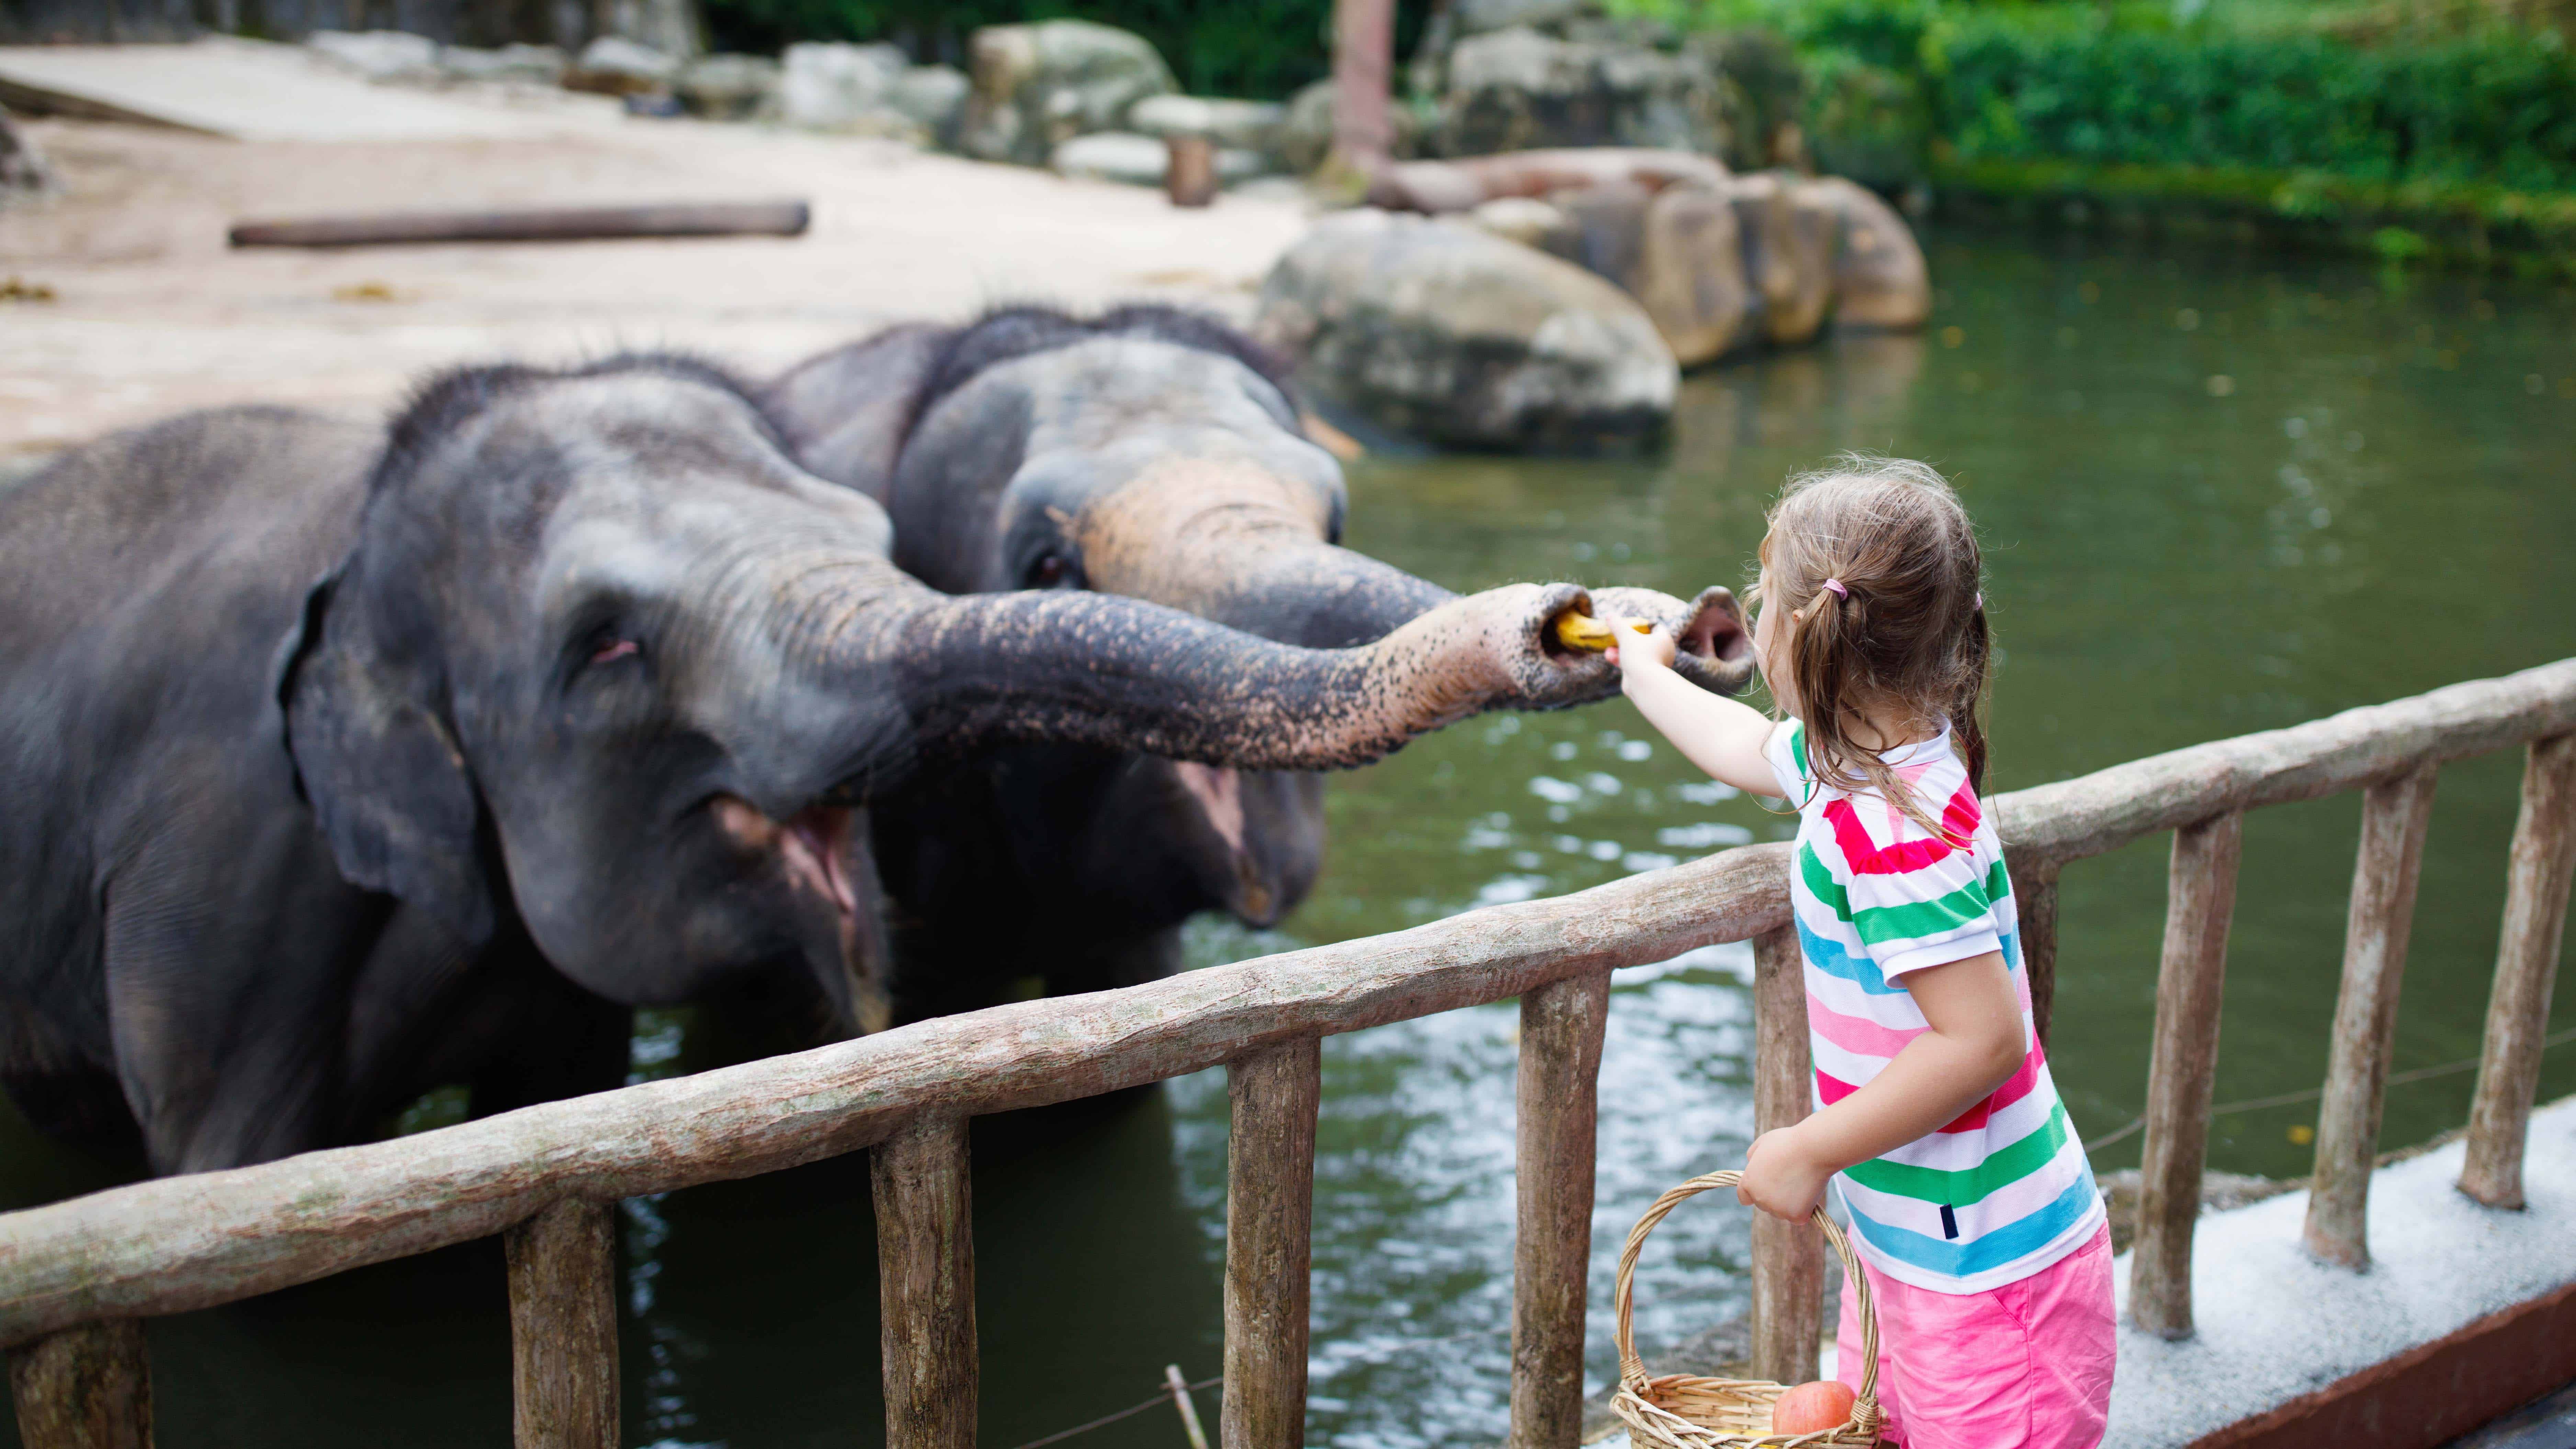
(2394, 813)
(1269, 1228)
(2535, 916)
(1559, 1100)
(2034, 886)
(84, 1388)
(1189, 170)
(1363, 62)
(1788, 1258)
(563, 1327)
(2200, 900)
(926, 1284)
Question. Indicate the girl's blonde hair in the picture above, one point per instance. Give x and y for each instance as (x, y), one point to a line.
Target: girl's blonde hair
(1906, 628)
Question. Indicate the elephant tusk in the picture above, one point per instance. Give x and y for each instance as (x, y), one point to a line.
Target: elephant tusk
(1577, 630)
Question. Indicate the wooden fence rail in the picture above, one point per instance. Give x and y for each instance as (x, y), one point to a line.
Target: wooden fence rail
(75, 1275)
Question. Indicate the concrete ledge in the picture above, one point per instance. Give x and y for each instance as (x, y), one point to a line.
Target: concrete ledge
(2462, 1303)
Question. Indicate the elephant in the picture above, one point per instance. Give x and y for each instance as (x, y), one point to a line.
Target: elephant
(341, 761)
(1153, 453)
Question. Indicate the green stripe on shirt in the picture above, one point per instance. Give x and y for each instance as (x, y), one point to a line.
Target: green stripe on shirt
(2002, 1168)
(1879, 925)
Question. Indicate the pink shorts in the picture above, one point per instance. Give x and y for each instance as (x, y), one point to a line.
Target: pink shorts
(2024, 1366)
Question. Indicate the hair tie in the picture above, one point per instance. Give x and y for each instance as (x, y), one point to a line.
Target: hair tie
(1980, 602)
(1838, 590)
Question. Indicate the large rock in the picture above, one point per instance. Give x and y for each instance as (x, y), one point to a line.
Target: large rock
(1141, 160)
(1880, 280)
(1241, 125)
(1038, 86)
(612, 65)
(729, 87)
(23, 172)
(932, 97)
(1516, 89)
(542, 65)
(1437, 187)
(379, 55)
(1438, 330)
(669, 27)
(833, 87)
(1306, 133)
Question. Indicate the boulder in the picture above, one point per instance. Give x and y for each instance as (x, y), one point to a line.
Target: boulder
(1790, 230)
(1239, 125)
(1038, 86)
(615, 66)
(834, 87)
(726, 87)
(1435, 187)
(932, 97)
(1523, 219)
(379, 55)
(542, 65)
(1140, 160)
(1433, 328)
(670, 27)
(1880, 282)
(1516, 88)
(1306, 132)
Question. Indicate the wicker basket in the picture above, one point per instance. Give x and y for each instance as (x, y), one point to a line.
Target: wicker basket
(1682, 1411)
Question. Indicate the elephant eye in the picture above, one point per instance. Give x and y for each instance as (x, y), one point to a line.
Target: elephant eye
(1049, 571)
(610, 650)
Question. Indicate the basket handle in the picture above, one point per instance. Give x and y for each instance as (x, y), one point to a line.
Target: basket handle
(1632, 1369)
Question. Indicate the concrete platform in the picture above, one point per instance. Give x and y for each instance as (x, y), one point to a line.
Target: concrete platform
(2275, 1325)
(248, 90)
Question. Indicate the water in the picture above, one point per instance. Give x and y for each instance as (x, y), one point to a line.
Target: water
(2219, 495)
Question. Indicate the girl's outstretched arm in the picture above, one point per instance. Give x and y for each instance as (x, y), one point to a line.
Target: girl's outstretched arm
(1713, 732)
(1973, 1045)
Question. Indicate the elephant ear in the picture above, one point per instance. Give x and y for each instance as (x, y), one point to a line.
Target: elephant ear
(380, 768)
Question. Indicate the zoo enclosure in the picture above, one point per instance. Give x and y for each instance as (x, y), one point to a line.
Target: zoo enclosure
(76, 1277)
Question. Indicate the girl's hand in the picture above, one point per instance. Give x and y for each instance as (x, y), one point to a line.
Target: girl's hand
(1781, 1178)
(1630, 649)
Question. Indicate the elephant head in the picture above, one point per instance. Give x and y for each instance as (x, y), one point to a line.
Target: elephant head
(1150, 453)
(606, 664)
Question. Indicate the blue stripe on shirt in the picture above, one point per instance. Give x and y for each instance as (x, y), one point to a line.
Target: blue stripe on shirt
(1832, 959)
(1983, 1254)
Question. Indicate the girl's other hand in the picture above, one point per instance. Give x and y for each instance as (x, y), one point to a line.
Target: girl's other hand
(1631, 647)
(1780, 1178)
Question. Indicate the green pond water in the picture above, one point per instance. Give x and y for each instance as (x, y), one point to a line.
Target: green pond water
(2219, 494)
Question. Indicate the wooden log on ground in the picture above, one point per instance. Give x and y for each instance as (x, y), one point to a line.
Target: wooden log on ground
(2107, 809)
(1788, 1258)
(1269, 1242)
(2200, 901)
(2535, 917)
(926, 1284)
(541, 224)
(84, 1388)
(185, 1243)
(563, 1327)
(1559, 1119)
(2394, 814)
(2034, 887)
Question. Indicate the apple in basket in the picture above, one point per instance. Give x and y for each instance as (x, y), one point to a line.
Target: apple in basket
(1811, 1407)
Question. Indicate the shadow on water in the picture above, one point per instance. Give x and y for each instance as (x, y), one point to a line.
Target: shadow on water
(2218, 495)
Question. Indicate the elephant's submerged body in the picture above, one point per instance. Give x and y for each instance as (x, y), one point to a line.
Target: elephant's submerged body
(341, 762)
(153, 846)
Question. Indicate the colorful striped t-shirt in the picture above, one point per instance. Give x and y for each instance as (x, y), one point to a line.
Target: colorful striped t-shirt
(2004, 1190)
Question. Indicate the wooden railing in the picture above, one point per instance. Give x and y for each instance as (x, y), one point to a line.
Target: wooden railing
(75, 1275)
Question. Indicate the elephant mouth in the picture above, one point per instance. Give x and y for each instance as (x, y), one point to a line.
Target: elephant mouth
(814, 845)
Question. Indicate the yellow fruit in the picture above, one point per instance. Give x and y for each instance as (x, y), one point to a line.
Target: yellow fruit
(1582, 631)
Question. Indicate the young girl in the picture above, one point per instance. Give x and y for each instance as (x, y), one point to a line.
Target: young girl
(1971, 1204)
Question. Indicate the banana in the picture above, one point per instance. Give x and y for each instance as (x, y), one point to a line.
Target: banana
(1582, 631)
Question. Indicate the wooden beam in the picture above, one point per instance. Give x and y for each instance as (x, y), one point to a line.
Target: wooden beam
(2394, 814)
(1788, 1258)
(1559, 1120)
(1269, 1232)
(2535, 917)
(2034, 887)
(2096, 813)
(926, 1284)
(563, 1327)
(184, 1243)
(84, 1388)
(2200, 901)
(568, 223)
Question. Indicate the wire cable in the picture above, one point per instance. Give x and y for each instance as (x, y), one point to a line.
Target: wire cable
(1160, 1398)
